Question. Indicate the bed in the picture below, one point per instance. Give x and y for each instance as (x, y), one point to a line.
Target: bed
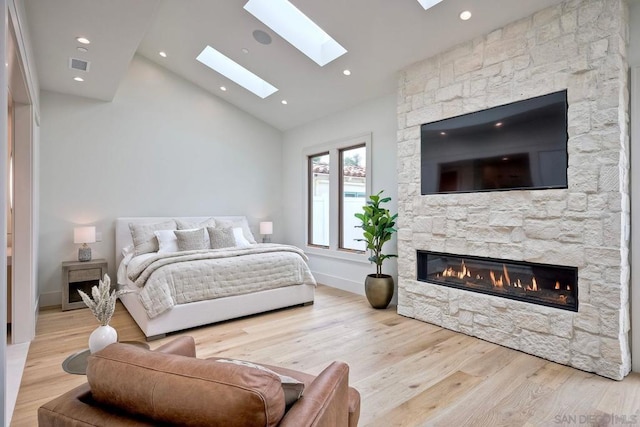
(234, 269)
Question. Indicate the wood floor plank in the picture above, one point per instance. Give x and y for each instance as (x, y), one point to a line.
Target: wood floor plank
(407, 378)
(421, 407)
(408, 372)
(485, 395)
(517, 407)
(551, 375)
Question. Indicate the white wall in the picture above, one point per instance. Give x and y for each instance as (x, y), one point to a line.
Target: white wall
(24, 89)
(379, 118)
(3, 201)
(163, 147)
(634, 33)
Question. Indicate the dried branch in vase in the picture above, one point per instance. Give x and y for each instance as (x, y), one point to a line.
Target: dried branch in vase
(103, 303)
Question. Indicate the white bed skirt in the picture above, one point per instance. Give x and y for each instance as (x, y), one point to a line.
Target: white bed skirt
(216, 310)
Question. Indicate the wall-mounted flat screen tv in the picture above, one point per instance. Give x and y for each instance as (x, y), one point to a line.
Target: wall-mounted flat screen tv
(522, 145)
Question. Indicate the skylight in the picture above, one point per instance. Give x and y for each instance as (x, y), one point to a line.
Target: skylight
(296, 28)
(236, 72)
(427, 4)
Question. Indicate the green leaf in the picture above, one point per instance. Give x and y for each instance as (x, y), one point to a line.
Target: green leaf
(377, 227)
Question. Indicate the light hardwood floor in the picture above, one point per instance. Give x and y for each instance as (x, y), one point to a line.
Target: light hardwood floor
(409, 373)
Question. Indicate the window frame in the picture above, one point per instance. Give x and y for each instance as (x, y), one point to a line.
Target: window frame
(335, 181)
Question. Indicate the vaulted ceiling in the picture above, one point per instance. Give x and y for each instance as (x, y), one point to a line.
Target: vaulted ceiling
(381, 37)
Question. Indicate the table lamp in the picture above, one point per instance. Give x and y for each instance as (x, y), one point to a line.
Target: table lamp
(84, 235)
(266, 229)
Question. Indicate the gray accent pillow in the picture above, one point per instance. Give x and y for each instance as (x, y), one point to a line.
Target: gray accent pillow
(190, 225)
(191, 240)
(221, 237)
(144, 239)
(242, 223)
(291, 387)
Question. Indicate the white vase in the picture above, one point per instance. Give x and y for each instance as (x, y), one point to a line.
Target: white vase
(101, 337)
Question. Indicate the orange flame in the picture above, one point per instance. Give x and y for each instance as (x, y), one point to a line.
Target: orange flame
(496, 282)
(450, 272)
(506, 275)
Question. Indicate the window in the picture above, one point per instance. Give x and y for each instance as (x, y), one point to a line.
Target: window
(353, 181)
(319, 200)
(337, 187)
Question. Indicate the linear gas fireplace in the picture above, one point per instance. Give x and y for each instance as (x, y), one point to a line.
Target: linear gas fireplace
(550, 285)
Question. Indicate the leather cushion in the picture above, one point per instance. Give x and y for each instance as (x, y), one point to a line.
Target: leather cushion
(183, 390)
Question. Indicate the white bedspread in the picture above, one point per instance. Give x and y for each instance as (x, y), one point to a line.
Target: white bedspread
(182, 277)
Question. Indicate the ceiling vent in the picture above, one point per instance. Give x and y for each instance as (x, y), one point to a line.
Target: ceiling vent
(78, 64)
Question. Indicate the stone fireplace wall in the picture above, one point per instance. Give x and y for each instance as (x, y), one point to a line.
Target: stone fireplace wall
(579, 45)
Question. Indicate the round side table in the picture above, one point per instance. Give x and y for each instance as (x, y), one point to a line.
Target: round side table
(77, 362)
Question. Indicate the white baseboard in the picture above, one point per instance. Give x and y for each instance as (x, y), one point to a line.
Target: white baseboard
(348, 285)
(50, 299)
(340, 283)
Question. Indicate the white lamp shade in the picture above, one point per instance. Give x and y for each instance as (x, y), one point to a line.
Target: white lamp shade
(84, 235)
(266, 228)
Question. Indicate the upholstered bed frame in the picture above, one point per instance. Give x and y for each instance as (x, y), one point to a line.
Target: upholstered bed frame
(199, 313)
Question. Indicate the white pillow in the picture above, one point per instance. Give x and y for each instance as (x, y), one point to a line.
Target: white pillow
(167, 241)
(241, 241)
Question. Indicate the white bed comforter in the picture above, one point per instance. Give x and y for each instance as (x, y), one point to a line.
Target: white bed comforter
(182, 277)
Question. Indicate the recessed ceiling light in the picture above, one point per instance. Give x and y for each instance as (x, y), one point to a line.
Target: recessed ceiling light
(222, 88)
(466, 15)
(428, 4)
(78, 79)
(83, 40)
(296, 28)
(162, 53)
(443, 133)
(82, 49)
(245, 50)
(498, 124)
(284, 102)
(347, 72)
(236, 72)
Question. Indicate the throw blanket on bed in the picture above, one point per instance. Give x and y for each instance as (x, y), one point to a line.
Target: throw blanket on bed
(183, 277)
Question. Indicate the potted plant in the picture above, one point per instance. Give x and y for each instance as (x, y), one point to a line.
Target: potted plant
(377, 229)
(102, 306)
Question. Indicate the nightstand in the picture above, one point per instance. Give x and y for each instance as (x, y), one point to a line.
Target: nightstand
(81, 275)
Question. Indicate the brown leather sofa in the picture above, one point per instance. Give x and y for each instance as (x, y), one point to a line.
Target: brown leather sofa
(131, 386)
